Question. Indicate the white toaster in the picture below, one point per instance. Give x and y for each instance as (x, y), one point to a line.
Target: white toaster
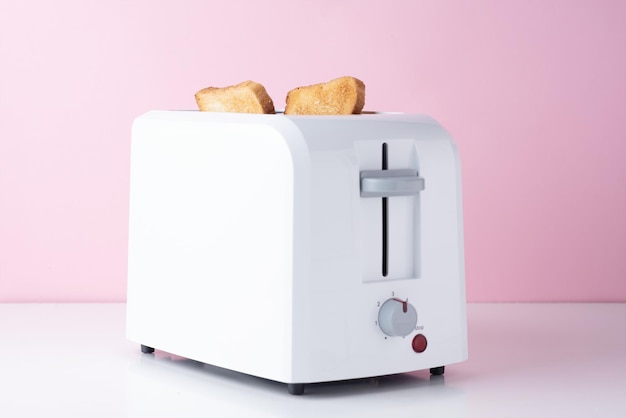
(299, 249)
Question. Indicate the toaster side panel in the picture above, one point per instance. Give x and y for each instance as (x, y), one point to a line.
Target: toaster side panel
(338, 320)
(210, 242)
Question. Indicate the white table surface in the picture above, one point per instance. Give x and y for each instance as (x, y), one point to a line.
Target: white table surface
(526, 360)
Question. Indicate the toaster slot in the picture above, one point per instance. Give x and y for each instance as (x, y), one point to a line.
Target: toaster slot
(385, 218)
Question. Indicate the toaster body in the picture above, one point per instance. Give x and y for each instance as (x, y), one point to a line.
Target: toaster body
(299, 249)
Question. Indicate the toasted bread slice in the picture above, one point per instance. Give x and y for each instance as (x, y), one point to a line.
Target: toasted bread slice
(246, 97)
(341, 96)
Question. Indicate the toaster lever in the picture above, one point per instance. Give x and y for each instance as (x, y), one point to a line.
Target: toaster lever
(385, 183)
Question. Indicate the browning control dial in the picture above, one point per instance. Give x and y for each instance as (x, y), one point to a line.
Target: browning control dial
(397, 318)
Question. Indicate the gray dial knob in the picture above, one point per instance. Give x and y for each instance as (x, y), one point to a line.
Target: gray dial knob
(397, 318)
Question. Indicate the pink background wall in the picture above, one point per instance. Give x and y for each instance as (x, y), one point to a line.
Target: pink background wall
(534, 93)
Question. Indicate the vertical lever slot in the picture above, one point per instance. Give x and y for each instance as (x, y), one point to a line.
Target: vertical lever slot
(390, 190)
(385, 258)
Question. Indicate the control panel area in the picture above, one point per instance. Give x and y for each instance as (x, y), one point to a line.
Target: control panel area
(398, 318)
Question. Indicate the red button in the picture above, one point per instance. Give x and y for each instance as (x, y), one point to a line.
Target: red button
(419, 343)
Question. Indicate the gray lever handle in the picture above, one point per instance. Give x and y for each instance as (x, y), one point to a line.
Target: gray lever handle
(386, 183)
